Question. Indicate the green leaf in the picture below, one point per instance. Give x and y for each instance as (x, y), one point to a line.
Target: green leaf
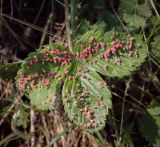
(134, 20)
(130, 58)
(128, 5)
(144, 10)
(154, 111)
(135, 15)
(9, 71)
(149, 125)
(41, 73)
(46, 98)
(155, 50)
(86, 100)
(20, 118)
(148, 128)
(96, 30)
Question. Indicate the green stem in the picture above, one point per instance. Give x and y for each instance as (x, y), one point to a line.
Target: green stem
(68, 26)
(73, 15)
(152, 32)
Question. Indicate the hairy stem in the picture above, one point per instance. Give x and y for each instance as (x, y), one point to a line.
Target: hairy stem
(73, 15)
(68, 26)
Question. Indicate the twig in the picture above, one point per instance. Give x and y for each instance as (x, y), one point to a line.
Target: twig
(121, 22)
(1, 17)
(7, 139)
(39, 12)
(130, 102)
(115, 126)
(51, 23)
(32, 127)
(59, 136)
(154, 7)
(11, 8)
(122, 115)
(68, 26)
(46, 131)
(45, 29)
(60, 3)
(25, 23)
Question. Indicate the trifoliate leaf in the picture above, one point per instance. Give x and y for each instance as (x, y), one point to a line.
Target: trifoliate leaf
(135, 15)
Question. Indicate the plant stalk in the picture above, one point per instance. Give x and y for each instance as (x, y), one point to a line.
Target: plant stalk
(73, 15)
(68, 26)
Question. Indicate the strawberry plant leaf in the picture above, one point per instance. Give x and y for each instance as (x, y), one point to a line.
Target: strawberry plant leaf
(41, 73)
(86, 100)
(46, 98)
(113, 54)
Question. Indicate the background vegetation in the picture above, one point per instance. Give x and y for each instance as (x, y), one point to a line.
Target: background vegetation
(26, 25)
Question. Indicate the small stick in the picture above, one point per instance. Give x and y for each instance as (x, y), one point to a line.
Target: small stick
(123, 104)
(121, 22)
(32, 127)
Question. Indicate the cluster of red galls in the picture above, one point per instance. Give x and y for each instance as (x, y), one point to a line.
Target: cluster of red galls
(88, 51)
(30, 81)
(113, 50)
(62, 58)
